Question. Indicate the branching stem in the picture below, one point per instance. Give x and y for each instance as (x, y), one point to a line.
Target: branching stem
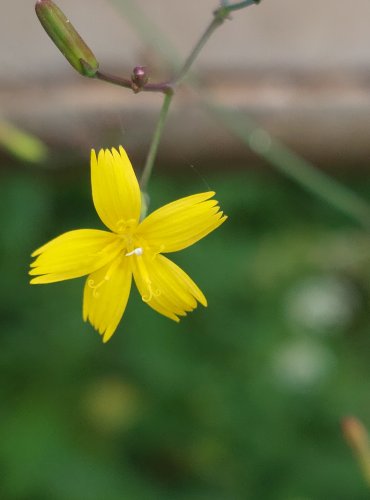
(216, 22)
(168, 88)
(219, 17)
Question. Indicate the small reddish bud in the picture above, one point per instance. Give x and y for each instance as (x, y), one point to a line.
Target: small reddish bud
(66, 38)
(139, 78)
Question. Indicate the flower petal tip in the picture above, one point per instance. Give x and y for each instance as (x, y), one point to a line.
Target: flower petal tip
(37, 252)
(122, 151)
(37, 281)
(107, 336)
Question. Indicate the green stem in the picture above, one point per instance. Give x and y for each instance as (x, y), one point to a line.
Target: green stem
(150, 159)
(219, 17)
(216, 22)
(277, 155)
(144, 26)
(294, 166)
(241, 5)
(148, 167)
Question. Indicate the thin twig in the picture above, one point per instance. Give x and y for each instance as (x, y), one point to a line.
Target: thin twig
(149, 163)
(241, 5)
(113, 79)
(292, 165)
(218, 18)
(216, 22)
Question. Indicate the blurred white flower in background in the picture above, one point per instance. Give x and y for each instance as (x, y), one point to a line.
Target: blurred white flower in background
(322, 304)
(302, 363)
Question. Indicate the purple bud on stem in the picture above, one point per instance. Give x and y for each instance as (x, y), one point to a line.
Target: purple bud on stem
(139, 78)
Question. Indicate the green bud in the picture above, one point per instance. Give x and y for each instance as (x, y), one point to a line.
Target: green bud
(66, 38)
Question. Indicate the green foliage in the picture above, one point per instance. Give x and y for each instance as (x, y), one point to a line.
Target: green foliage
(242, 400)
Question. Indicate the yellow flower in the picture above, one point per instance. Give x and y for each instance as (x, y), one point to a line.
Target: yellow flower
(131, 247)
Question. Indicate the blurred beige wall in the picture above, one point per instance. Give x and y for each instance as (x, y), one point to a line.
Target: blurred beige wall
(293, 33)
(302, 71)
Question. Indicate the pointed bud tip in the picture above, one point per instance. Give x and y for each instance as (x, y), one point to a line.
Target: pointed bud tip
(42, 3)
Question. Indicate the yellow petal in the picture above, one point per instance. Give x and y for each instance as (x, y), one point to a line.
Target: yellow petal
(115, 189)
(74, 254)
(165, 287)
(182, 223)
(106, 294)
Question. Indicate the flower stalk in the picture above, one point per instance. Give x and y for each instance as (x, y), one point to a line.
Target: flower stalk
(219, 17)
(152, 153)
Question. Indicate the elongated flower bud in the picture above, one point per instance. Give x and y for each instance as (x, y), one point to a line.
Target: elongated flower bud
(66, 38)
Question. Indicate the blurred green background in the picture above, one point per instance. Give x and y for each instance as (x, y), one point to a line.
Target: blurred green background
(242, 400)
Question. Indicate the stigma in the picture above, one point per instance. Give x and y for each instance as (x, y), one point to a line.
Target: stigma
(137, 251)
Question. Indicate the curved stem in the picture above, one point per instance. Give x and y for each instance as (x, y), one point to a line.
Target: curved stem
(149, 163)
(293, 166)
(168, 88)
(274, 152)
(219, 17)
(115, 80)
(148, 167)
(216, 22)
(241, 5)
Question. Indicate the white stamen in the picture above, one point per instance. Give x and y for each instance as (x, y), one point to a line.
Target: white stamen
(136, 251)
